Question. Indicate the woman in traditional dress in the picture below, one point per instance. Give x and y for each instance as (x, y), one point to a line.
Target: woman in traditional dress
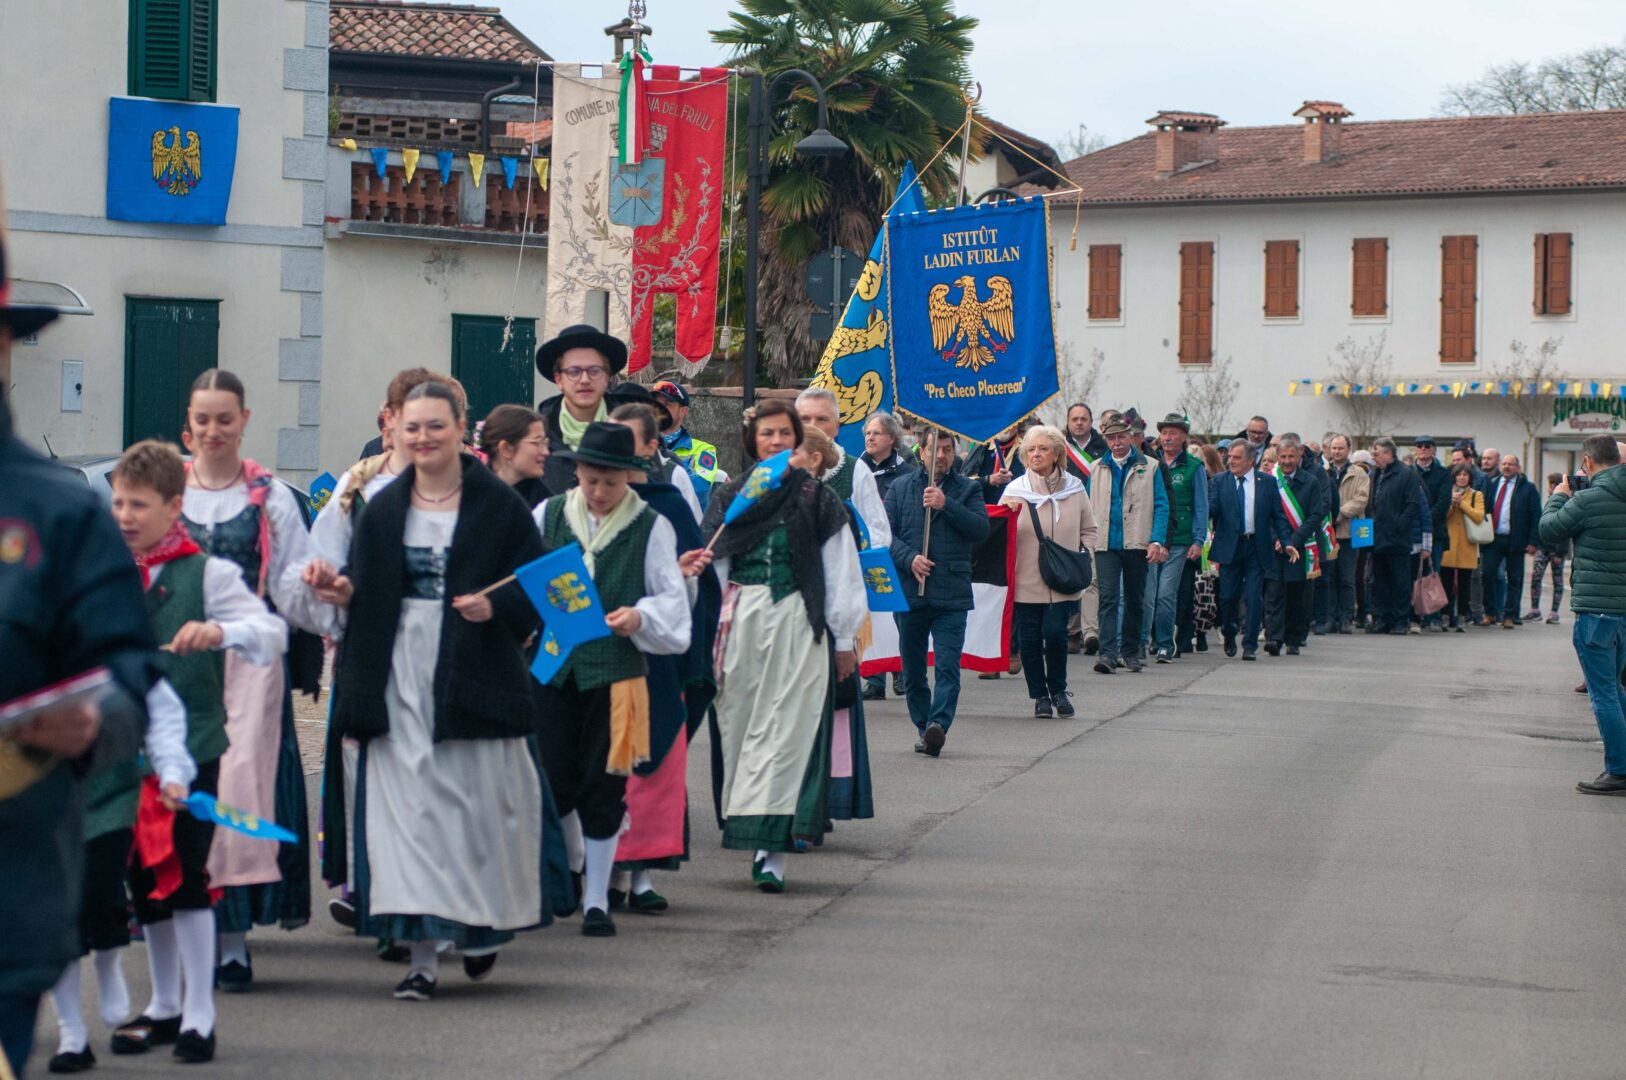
(681, 689)
(432, 681)
(515, 442)
(793, 594)
(236, 509)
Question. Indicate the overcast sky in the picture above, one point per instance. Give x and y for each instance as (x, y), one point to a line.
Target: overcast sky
(1048, 65)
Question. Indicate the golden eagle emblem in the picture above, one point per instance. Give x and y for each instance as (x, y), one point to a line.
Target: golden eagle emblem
(567, 593)
(176, 168)
(880, 582)
(958, 330)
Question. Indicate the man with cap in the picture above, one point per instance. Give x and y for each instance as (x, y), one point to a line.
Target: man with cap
(1131, 509)
(1436, 480)
(1173, 583)
(595, 709)
(67, 575)
(582, 361)
(695, 455)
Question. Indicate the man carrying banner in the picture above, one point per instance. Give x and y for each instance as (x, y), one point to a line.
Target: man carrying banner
(1289, 577)
(595, 723)
(941, 598)
(696, 455)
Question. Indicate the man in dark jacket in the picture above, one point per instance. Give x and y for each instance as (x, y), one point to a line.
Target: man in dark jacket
(939, 584)
(73, 601)
(1595, 518)
(1289, 592)
(993, 464)
(1084, 444)
(1436, 480)
(1394, 514)
(1515, 513)
(1248, 523)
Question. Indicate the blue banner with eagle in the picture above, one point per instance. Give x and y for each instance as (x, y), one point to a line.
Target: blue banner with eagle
(854, 366)
(169, 160)
(973, 339)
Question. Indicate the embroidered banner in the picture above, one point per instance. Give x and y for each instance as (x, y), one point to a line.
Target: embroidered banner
(589, 251)
(675, 245)
(170, 161)
(855, 366)
(973, 339)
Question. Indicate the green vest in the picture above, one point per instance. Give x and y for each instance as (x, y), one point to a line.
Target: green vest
(767, 564)
(110, 799)
(618, 575)
(841, 480)
(1182, 499)
(200, 679)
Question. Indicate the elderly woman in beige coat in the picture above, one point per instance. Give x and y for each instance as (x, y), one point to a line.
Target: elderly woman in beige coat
(1061, 508)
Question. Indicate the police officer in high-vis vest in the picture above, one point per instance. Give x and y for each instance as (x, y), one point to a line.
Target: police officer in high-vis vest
(697, 456)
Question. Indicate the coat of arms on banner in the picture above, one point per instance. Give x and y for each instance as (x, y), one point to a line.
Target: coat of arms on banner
(636, 192)
(959, 329)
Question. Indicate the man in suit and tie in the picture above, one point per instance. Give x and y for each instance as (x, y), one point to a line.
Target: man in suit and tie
(1248, 520)
(1289, 592)
(1515, 513)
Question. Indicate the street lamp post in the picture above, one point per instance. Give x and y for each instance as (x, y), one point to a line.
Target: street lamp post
(759, 126)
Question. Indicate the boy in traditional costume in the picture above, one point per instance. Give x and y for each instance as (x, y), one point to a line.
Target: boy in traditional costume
(200, 607)
(595, 722)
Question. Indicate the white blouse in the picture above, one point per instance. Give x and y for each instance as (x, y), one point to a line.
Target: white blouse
(329, 541)
(289, 541)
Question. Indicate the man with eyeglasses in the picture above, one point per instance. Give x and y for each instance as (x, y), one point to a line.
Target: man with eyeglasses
(582, 361)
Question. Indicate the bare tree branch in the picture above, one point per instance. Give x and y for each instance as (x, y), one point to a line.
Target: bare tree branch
(1532, 378)
(1079, 142)
(1355, 378)
(1576, 82)
(1208, 396)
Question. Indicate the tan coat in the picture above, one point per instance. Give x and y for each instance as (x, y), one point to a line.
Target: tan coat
(1353, 493)
(1462, 553)
(1069, 522)
(1139, 503)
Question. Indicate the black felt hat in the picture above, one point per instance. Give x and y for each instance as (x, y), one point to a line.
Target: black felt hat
(610, 446)
(613, 349)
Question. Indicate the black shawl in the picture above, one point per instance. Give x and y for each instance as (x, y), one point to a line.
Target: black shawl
(811, 514)
(482, 684)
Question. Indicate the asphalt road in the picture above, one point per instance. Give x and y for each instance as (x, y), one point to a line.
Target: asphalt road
(1368, 861)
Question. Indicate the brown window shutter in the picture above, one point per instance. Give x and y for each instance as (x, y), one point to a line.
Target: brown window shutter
(1196, 302)
(1281, 279)
(1106, 262)
(1458, 283)
(1559, 253)
(1370, 277)
(1539, 305)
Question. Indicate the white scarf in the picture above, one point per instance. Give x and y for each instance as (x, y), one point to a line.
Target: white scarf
(580, 520)
(1022, 487)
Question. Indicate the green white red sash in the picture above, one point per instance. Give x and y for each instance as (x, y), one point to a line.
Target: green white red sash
(1080, 460)
(1295, 518)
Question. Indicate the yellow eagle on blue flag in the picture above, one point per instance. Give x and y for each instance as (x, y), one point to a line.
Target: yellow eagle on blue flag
(966, 323)
(182, 165)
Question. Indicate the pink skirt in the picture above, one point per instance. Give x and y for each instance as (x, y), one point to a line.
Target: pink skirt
(248, 772)
(656, 805)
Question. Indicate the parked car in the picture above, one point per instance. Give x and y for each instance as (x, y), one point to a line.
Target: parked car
(97, 469)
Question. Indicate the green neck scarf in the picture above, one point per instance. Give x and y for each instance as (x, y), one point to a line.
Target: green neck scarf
(572, 429)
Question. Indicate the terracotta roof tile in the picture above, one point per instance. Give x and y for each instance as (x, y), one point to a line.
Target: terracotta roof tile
(1455, 155)
(446, 31)
(539, 132)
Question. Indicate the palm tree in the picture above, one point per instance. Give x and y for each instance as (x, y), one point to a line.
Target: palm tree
(892, 72)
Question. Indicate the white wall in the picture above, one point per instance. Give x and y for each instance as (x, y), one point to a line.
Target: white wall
(389, 305)
(1142, 367)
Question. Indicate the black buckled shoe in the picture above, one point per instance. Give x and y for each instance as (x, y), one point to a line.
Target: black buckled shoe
(646, 903)
(143, 1033)
(72, 1061)
(194, 1049)
(235, 977)
(596, 923)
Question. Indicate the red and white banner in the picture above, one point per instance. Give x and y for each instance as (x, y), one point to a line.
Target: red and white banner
(988, 627)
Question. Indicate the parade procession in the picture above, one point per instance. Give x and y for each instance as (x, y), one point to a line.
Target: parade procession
(812, 621)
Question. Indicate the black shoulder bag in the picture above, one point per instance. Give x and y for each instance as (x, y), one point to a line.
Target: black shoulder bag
(1064, 570)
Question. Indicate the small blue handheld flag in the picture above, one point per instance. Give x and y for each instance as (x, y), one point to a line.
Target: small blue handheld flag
(766, 475)
(321, 490)
(881, 581)
(550, 657)
(562, 591)
(205, 807)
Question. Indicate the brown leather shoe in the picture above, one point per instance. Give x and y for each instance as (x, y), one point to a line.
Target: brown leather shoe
(1507, 624)
(1581, 689)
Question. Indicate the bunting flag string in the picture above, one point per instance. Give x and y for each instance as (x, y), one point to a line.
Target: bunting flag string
(540, 167)
(443, 158)
(381, 158)
(1488, 387)
(510, 166)
(477, 166)
(409, 160)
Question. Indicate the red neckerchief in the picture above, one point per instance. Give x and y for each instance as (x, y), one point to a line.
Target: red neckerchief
(176, 544)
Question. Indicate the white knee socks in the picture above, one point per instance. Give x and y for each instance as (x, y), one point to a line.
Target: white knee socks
(164, 964)
(234, 947)
(195, 935)
(600, 861)
(111, 989)
(641, 883)
(572, 825)
(425, 959)
(70, 1019)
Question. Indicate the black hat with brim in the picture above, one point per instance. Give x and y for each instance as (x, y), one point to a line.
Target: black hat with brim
(612, 349)
(607, 445)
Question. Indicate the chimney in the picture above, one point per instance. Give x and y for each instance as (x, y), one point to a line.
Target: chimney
(1185, 139)
(1323, 130)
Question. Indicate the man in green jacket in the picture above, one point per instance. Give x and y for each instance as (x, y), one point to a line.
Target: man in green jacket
(1595, 519)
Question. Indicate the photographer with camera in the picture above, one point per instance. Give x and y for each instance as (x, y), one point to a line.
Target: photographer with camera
(1595, 519)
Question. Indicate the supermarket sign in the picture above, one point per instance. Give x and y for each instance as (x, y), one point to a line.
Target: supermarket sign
(1589, 415)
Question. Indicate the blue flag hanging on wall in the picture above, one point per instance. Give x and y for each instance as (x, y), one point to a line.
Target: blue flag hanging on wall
(169, 160)
(973, 340)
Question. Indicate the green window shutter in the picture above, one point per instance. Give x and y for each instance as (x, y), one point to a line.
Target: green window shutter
(490, 374)
(172, 49)
(168, 343)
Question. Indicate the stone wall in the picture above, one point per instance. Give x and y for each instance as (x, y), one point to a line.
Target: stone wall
(714, 415)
